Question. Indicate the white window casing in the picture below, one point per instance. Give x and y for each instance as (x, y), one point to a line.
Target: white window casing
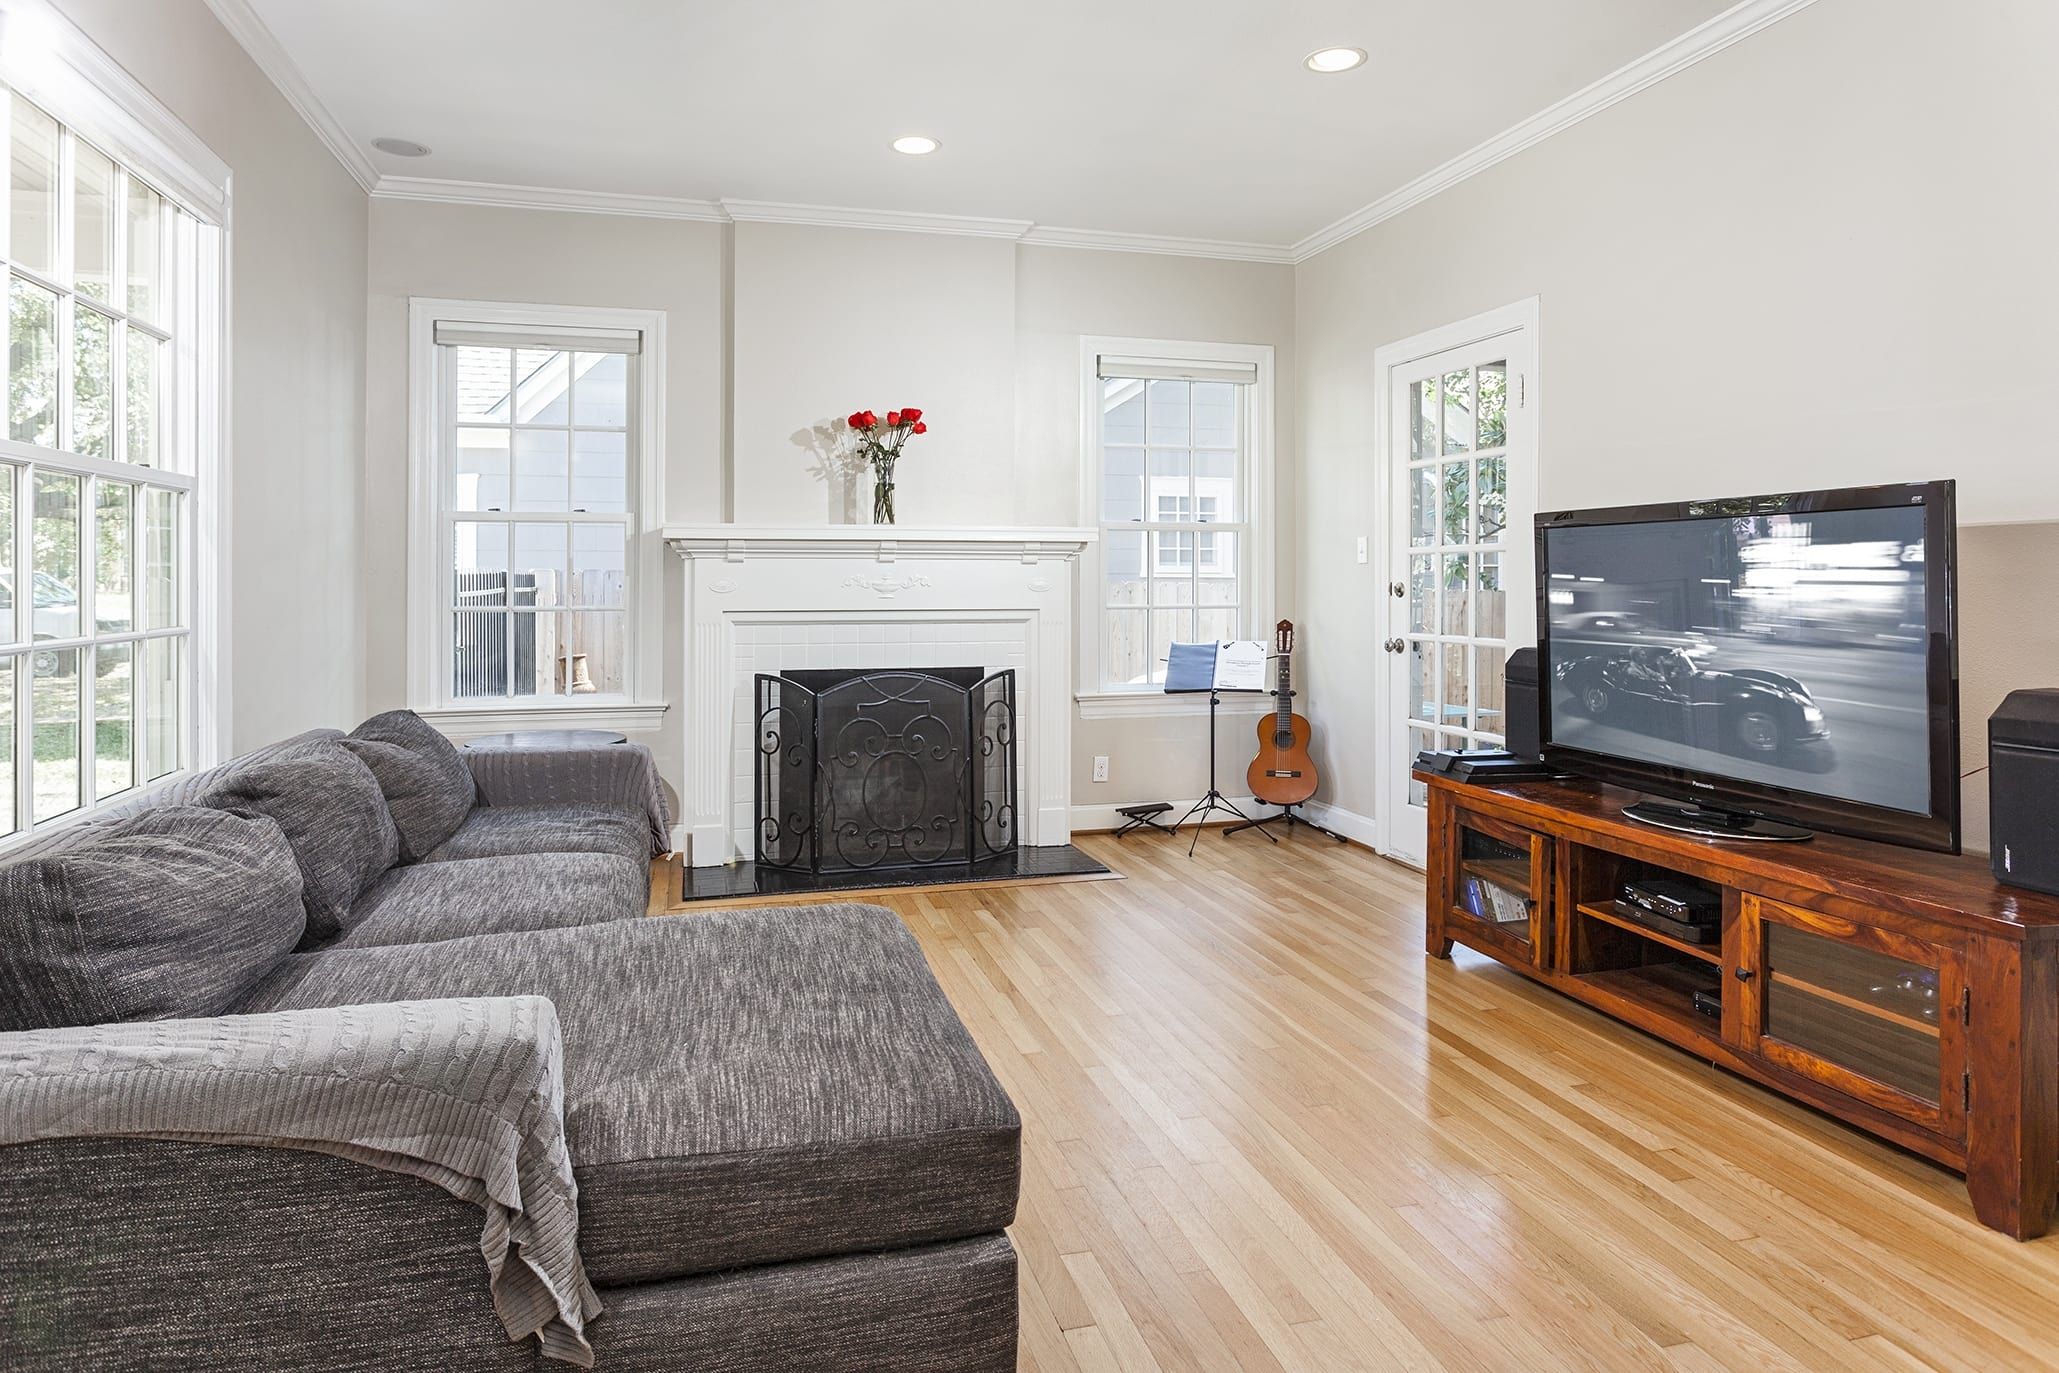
(1182, 533)
(439, 332)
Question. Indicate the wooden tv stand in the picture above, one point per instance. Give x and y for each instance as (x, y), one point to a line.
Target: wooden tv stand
(1906, 993)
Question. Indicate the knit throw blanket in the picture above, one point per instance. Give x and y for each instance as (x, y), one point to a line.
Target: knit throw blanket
(467, 1093)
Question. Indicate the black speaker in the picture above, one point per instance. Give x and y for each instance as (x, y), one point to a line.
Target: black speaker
(1520, 701)
(2023, 789)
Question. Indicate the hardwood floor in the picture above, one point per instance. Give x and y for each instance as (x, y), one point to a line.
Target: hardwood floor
(1263, 1131)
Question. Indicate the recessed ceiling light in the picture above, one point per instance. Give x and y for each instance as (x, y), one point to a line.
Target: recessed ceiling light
(401, 147)
(1327, 60)
(916, 145)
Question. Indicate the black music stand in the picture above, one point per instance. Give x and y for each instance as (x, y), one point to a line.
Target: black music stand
(1213, 800)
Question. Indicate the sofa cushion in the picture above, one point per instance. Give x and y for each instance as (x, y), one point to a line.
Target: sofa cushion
(170, 912)
(528, 891)
(742, 1087)
(554, 827)
(330, 807)
(427, 786)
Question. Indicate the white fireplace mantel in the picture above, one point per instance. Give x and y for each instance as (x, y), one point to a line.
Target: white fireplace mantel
(770, 599)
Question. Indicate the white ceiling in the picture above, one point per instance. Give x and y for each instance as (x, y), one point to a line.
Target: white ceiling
(1192, 118)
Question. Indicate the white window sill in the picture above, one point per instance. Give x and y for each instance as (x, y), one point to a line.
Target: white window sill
(1117, 705)
(469, 722)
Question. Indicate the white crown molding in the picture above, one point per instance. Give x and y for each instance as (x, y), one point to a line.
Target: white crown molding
(506, 197)
(247, 29)
(881, 542)
(1738, 22)
(1108, 240)
(837, 217)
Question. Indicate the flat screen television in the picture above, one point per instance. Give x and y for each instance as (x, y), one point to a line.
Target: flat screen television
(1772, 662)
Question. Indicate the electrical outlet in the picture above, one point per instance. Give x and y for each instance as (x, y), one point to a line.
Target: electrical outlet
(1100, 767)
(1362, 548)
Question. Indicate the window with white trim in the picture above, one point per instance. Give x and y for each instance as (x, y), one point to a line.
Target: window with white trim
(1175, 441)
(112, 288)
(538, 479)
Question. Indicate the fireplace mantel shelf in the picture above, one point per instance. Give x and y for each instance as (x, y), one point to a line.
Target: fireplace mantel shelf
(735, 542)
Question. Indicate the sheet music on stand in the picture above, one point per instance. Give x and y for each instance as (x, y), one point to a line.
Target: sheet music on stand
(1231, 665)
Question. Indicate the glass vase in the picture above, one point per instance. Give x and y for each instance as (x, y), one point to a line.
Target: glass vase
(883, 492)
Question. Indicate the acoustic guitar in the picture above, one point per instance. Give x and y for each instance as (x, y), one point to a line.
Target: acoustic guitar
(1282, 774)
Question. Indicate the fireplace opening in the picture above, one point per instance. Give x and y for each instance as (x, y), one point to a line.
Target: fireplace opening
(886, 770)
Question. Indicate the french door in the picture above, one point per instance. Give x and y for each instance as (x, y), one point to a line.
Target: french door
(1458, 459)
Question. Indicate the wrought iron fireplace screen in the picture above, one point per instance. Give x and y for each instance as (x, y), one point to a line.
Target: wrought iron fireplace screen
(859, 770)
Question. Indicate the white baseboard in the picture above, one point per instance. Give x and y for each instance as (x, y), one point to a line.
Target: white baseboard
(1349, 823)
(1087, 819)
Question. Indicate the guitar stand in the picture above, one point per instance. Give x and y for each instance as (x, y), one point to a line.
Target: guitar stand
(1214, 800)
(1287, 813)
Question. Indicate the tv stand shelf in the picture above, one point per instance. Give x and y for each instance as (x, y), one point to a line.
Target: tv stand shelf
(1904, 992)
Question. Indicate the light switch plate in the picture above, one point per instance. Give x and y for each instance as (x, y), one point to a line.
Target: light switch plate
(1362, 548)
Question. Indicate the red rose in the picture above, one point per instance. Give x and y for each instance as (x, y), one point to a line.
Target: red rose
(921, 428)
(911, 414)
(893, 419)
(857, 419)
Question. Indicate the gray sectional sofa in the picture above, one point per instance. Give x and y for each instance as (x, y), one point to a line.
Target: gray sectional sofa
(788, 1152)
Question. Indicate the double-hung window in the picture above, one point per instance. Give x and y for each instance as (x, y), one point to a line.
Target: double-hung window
(113, 300)
(1178, 444)
(538, 480)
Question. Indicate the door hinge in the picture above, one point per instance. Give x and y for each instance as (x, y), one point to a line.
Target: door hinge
(1522, 390)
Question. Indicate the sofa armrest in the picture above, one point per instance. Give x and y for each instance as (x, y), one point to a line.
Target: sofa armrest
(466, 1094)
(624, 775)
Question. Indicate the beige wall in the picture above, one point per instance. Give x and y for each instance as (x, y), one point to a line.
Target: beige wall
(1822, 256)
(829, 321)
(541, 257)
(296, 356)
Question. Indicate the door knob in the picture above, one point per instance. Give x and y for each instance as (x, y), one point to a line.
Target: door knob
(1395, 645)
(1744, 974)
(1396, 589)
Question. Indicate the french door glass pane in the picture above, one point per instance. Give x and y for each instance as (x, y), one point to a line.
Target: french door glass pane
(484, 377)
(600, 565)
(55, 714)
(1457, 594)
(1422, 593)
(542, 472)
(9, 821)
(32, 364)
(1422, 681)
(539, 565)
(161, 608)
(54, 567)
(600, 471)
(7, 630)
(480, 659)
(1454, 688)
(594, 654)
(1422, 420)
(114, 720)
(164, 689)
(481, 564)
(93, 212)
(480, 470)
(600, 390)
(1490, 497)
(1458, 502)
(113, 541)
(92, 401)
(1422, 506)
(1458, 411)
(1490, 600)
(1493, 404)
(146, 249)
(32, 183)
(1490, 664)
(140, 399)
(542, 394)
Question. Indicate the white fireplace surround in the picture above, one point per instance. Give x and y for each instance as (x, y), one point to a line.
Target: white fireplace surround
(762, 599)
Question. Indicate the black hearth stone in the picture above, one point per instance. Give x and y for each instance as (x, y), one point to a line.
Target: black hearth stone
(751, 879)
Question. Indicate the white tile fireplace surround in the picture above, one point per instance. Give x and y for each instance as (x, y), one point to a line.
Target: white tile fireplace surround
(871, 596)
